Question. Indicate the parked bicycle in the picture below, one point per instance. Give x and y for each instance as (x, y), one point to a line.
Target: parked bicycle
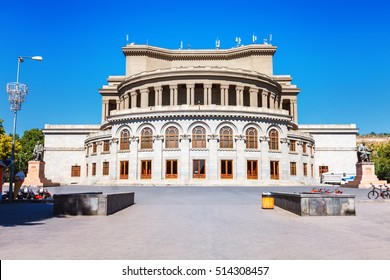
(379, 192)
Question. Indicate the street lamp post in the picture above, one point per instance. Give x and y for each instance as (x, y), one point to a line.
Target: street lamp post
(16, 92)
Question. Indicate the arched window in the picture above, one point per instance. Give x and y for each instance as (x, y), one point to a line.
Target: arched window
(124, 140)
(273, 140)
(226, 138)
(199, 137)
(146, 138)
(251, 138)
(172, 138)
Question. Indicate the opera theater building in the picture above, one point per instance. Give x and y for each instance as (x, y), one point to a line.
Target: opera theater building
(198, 117)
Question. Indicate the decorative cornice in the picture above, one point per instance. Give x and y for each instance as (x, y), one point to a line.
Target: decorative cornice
(196, 114)
(190, 55)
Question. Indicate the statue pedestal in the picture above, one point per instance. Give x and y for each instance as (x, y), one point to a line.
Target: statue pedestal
(36, 175)
(365, 175)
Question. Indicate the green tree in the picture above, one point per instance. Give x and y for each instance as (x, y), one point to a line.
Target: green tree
(28, 142)
(2, 131)
(381, 158)
(6, 144)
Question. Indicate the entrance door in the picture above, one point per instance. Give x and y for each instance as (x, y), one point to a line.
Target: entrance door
(251, 169)
(199, 169)
(124, 170)
(274, 170)
(226, 169)
(146, 169)
(171, 169)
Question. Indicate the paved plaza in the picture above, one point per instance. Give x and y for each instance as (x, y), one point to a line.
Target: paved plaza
(194, 223)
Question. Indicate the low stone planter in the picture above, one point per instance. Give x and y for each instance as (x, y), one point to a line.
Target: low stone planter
(94, 203)
(309, 204)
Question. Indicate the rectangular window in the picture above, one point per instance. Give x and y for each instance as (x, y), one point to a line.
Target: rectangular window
(251, 169)
(305, 169)
(86, 170)
(94, 148)
(304, 148)
(146, 169)
(312, 170)
(106, 168)
(106, 146)
(274, 170)
(226, 169)
(293, 168)
(171, 169)
(323, 169)
(76, 171)
(124, 170)
(293, 145)
(199, 169)
(94, 169)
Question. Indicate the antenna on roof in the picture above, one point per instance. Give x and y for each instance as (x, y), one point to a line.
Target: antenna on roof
(270, 39)
(127, 39)
(217, 44)
(181, 45)
(254, 39)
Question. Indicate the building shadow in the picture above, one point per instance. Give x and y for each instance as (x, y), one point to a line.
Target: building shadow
(24, 214)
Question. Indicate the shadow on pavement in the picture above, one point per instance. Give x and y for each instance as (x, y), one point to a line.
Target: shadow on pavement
(24, 214)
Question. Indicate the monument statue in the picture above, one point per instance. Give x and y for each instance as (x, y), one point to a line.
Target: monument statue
(38, 152)
(364, 153)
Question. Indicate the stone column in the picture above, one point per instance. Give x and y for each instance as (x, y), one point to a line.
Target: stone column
(264, 98)
(253, 97)
(133, 99)
(173, 95)
(104, 110)
(207, 94)
(239, 96)
(191, 92)
(293, 110)
(224, 95)
(272, 101)
(188, 97)
(118, 104)
(127, 101)
(158, 96)
(277, 102)
(144, 97)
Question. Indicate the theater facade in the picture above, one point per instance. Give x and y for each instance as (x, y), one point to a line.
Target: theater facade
(198, 117)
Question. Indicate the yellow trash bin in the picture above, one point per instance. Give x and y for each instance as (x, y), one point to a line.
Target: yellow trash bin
(267, 201)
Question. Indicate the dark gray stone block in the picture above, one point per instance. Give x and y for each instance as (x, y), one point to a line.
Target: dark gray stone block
(308, 204)
(94, 203)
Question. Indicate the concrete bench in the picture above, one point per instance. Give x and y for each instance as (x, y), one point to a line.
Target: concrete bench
(310, 204)
(93, 203)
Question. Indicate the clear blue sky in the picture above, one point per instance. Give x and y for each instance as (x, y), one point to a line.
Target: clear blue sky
(338, 52)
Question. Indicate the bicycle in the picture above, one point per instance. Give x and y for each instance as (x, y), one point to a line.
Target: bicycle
(376, 192)
(386, 192)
